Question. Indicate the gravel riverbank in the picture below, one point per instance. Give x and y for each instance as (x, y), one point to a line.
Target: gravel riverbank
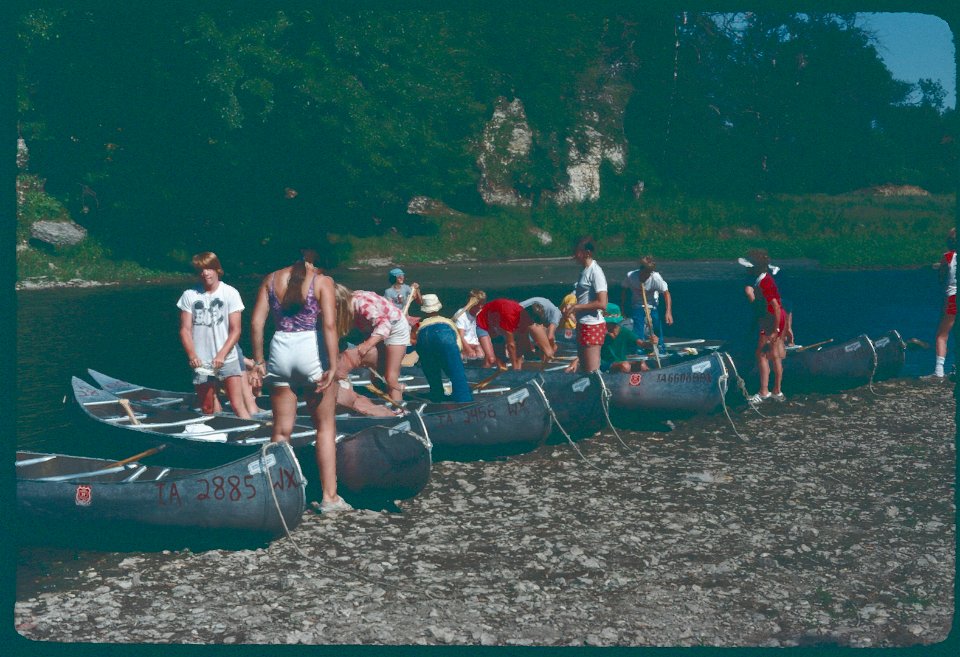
(831, 523)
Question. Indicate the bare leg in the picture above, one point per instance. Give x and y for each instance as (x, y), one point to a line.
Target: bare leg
(763, 366)
(777, 353)
(234, 387)
(943, 333)
(284, 403)
(486, 346)
(590, 357)
(322, 409)
(393, 355)
(207, 397)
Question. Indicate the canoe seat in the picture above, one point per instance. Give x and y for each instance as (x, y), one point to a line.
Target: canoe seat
(136, 475)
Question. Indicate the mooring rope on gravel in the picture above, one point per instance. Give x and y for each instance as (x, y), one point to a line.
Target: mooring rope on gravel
(722, 387)
(605, 397)
(317, 562)
(566, 435)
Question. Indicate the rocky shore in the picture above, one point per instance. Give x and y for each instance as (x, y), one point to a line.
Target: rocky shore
(829, 522)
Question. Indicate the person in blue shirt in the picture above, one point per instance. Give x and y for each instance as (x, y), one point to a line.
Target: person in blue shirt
(399, 291)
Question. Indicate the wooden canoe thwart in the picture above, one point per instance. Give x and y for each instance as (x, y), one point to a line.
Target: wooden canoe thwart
(243, 495)
(387, 459)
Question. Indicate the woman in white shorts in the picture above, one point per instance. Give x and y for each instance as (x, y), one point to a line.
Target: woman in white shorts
(301, 299)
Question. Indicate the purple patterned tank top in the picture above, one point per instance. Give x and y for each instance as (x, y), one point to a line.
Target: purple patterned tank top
(305, 319)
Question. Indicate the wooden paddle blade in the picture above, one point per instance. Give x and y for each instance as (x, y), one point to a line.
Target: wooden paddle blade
(141, 455)
(814, 345)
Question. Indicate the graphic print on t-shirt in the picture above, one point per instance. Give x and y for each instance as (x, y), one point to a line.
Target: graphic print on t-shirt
(208, 316)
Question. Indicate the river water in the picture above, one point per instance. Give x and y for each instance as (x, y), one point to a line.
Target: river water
(131, 331)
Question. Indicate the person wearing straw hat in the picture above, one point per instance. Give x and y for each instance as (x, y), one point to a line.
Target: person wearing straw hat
(621, 343)
(439, 346)
(399, 291)
(764, 297)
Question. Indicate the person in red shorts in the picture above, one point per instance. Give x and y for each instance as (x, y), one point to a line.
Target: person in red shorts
(764, 297)
(592, 297)
(948, 279)
(508, 319)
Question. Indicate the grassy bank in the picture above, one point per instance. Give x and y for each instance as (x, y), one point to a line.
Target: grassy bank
(853, 230)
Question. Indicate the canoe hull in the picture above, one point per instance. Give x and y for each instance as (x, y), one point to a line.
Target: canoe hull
(830, 368)
(243, 495)
(891, 355)
(369, 464)
(384, 462)
(692, 387)
(516, 420)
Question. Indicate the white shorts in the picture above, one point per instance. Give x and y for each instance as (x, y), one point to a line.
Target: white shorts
(399, 333)
(294, 359)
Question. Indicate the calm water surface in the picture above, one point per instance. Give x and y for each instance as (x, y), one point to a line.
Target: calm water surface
(131, 332)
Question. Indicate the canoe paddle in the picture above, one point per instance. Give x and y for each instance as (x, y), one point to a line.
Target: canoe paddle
(413, 293)
(649, 322)
(811, 346)
(480, 385)
(125, 405)
(916, 342)
(470, 304)
(141, 455)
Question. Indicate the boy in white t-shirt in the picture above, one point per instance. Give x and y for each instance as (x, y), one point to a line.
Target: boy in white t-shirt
(209, 332)
(649, 279)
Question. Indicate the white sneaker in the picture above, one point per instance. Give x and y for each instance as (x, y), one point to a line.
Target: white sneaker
(332, 507)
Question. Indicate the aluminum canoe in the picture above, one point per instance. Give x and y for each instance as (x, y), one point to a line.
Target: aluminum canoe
(259, 492)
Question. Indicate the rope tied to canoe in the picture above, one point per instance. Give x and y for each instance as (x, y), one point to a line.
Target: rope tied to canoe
(742, 386)
(343, 571)
(873, 370)
(605, 396)
(566, 435)
(722, 386)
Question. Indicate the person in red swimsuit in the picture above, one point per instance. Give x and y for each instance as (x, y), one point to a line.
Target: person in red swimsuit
(948, 279)
(507, 318)
(765, 298)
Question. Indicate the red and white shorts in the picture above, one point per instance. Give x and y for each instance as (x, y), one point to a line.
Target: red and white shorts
(951, 308)
(591, 335)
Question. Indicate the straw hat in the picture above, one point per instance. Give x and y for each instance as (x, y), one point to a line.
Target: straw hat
(430, 304)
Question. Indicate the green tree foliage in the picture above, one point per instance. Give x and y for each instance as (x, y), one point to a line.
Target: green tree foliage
(250, 130)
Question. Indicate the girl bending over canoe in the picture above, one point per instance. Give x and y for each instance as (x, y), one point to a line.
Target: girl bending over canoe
(516, 325)
(301, 300)
(385, 330)
(209, 330)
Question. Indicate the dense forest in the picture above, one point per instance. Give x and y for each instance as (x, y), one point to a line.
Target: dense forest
(157, 128)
